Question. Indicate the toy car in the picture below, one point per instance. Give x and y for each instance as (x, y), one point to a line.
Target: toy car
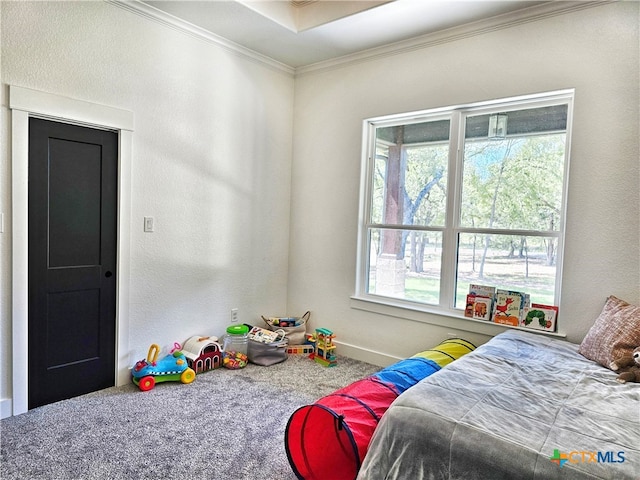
(171, 368)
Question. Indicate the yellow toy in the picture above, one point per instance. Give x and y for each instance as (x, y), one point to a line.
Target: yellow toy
(171, 368)
(324, 348)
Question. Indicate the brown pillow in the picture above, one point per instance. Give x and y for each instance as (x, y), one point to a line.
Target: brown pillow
(616, 332)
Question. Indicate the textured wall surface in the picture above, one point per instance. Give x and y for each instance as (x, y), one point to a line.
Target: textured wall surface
(211, 162)
(254, 185)
(594, 50)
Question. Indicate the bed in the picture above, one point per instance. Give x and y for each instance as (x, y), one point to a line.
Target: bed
(521, 406)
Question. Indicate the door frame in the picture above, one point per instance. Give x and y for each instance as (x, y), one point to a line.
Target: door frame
(25, 103)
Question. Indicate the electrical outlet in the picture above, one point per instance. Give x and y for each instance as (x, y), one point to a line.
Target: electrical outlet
(234, 315)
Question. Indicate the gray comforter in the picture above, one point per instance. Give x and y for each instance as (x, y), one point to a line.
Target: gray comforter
(504, 411)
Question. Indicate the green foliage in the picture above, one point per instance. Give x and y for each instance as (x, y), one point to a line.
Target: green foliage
(510, 184)
(513, 183)
(425, 184)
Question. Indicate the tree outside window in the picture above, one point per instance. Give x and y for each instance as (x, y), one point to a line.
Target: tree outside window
(447, 206)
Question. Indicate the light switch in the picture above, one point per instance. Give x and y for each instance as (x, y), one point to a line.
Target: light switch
(148, 224)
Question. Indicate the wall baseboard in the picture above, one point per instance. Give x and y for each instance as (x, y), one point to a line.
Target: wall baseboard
(6, 409)
(366, 355)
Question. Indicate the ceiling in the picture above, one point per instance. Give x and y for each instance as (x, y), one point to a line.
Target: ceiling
(302, 33)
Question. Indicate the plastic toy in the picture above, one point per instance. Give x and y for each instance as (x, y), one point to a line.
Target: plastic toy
(324, 348)
(203, 353)
(170, 368)
(300, 349)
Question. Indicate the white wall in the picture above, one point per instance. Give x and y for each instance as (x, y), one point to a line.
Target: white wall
(211, 162)
(242, 221)
(595, 51)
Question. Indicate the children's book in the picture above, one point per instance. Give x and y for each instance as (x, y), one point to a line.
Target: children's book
(482, 308)
(468, 311)
(482, 290)
(540, 317)
(508, 307)
(478, 291)
(265, 336)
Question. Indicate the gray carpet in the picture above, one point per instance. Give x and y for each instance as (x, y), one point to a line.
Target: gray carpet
(227, 425)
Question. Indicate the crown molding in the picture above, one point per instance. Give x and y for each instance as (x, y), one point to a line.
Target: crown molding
(480, 27)
(175, 23)
(499, 22)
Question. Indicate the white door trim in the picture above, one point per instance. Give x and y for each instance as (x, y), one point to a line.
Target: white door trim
(25, 103)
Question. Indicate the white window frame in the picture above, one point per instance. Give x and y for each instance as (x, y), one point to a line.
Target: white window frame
(25, 103)
(445, 310)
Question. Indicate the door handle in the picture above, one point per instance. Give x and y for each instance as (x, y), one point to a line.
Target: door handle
(108, 273)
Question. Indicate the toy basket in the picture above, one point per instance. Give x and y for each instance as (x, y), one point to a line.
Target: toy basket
(294, 328)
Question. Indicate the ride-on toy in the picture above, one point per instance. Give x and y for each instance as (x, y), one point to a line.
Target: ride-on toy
(171, 368)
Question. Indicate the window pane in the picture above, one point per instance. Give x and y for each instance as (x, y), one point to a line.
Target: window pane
(410, 174)
(492, 195)
(510, 262)
(515, 182)
(405, 264)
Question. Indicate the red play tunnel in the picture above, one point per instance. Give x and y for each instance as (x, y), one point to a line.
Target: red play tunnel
(337, 427)
(330, 438)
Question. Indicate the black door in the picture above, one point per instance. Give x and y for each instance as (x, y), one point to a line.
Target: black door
(72, 259)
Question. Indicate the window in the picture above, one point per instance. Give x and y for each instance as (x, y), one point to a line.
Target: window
(464, 195)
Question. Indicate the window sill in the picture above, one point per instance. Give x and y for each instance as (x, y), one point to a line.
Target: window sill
(436, 316)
